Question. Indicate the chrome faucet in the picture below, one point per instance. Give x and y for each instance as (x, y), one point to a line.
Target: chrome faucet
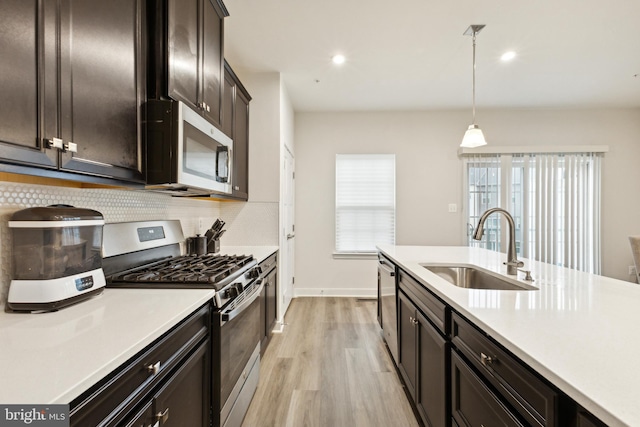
(512, 259)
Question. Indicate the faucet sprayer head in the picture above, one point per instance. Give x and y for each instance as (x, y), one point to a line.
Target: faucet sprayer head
(478, 232)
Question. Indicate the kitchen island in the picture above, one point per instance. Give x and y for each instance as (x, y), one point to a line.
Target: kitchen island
(577, 330)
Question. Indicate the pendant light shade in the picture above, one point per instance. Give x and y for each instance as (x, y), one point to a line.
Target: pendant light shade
(473, 137)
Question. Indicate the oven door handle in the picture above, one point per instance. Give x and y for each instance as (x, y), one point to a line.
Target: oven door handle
(246, 303)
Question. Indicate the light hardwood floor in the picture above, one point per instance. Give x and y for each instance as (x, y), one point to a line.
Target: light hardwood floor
(329, 368)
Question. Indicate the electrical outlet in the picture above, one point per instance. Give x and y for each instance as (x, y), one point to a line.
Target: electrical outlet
(632, 270)
(200, 224)
(453, 207)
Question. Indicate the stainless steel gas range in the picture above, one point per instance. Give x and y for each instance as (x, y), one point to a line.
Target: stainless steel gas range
(148, 254)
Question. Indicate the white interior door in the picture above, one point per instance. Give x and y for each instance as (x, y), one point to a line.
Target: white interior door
(288, 254)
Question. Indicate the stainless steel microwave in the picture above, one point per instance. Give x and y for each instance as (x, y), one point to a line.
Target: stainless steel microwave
(185, 154)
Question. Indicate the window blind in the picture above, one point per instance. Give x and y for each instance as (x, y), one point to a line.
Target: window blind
(554, 200)
(365, 202)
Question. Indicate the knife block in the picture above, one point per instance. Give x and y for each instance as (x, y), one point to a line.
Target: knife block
(213, 246)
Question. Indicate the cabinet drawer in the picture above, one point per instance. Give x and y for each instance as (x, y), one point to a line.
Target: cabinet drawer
(528, 394)
(143, 418)
(116, 395)
(269, 263)
(429, 304)
(472, 403)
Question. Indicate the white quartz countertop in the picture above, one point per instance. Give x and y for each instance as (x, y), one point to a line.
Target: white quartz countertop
(578, 330)
(54, 357)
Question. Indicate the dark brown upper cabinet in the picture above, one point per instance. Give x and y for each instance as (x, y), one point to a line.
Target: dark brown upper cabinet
(73, 80)
(235, 123)
(186, 56)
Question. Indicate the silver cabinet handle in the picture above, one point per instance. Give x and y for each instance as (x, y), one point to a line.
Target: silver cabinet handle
(153, 368)
(486, 360)
(163, 416)
(71, 147)
(55, 143)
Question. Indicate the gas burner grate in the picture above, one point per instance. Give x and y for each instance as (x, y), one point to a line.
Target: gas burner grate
(201, 269)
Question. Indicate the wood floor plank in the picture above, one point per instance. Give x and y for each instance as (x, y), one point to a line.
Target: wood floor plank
(329, 368)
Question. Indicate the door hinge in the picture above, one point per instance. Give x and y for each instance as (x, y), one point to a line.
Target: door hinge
(293, 280)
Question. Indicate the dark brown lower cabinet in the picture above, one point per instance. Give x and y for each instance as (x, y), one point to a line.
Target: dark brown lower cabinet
(585, 419)
(457, 375)
(473, 404)
(268, 300)
(182, 400)
(166, 384)
(143, 417)
(423, 358)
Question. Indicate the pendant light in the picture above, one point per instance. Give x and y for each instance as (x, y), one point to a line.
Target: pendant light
(473, 137)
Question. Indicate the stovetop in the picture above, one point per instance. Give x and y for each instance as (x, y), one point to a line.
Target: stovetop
(211, 271)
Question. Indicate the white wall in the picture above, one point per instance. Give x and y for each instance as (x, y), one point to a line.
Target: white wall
(256, 222)
(429, 177)
(271, 122)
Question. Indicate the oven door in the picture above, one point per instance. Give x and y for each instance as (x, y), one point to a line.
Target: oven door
(239, 337)
(204, 153)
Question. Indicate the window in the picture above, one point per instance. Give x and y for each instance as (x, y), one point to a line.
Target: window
(553, 198)
(365, 202)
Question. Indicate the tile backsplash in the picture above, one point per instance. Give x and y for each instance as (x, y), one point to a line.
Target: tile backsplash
(115, 205)
(250, 223)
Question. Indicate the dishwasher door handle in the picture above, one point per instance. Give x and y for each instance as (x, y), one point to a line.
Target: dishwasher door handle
(383, 266)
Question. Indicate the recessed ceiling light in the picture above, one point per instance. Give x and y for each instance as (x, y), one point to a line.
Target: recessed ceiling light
(508, 56)
(338, 59)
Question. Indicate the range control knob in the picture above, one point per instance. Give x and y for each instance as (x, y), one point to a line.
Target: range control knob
(234, 290)
(254, 273)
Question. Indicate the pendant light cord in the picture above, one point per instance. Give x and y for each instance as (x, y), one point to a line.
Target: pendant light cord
(474, 78)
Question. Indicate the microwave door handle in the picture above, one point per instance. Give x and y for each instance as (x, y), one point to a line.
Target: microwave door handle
(229, 165)
(220, 178)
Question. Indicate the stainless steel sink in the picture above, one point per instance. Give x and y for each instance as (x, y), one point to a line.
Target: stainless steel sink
(474, 278)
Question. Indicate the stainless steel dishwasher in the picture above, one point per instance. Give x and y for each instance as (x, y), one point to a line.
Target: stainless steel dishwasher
(388, 302)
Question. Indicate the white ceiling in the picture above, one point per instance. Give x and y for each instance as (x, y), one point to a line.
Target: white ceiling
(412, 54)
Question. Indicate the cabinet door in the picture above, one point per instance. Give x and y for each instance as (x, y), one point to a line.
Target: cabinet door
(472, 403)
(22, 51)
(228, 106)
(433, 374)
(184, 51)
(241, 147)
(408, 343)
(103, 86)
(264, 334)
(184, 399)
(212, 62)
(272, 300)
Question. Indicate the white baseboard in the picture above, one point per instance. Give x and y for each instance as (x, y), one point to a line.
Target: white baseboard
(332, 292)
(278, 328)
